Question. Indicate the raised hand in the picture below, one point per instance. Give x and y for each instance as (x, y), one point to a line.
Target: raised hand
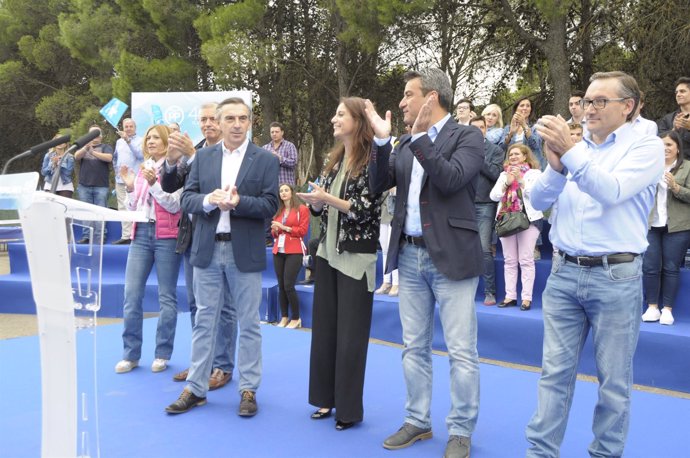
(179, 145)
(127, 176)
(423, 121)
(381, 127)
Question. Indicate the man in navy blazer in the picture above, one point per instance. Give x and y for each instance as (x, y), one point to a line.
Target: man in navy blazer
(231, 188)
(436, 248)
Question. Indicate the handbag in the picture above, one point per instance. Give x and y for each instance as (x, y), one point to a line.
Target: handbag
(511, 223)
(307, 260)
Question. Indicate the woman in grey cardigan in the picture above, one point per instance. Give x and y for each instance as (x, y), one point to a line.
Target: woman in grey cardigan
(669, 233)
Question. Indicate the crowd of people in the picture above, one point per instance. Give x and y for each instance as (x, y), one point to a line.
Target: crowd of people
(619, 210)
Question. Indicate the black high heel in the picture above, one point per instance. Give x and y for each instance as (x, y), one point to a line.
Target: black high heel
(526, 305)
(320, 415)
(342, 425)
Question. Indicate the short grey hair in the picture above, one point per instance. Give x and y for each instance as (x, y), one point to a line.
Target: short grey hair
(232, 101)
(628, 88)
(434, 79)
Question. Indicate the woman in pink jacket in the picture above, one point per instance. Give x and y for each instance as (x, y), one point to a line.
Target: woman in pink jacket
(153, 242)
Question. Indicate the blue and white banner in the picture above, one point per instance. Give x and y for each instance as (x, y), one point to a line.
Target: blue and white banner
(149, 108)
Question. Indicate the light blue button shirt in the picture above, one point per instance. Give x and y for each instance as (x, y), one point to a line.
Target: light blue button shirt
(413, 217)
(605, 200)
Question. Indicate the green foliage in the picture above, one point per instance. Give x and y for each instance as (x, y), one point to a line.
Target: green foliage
(135, 73)
(62, 107)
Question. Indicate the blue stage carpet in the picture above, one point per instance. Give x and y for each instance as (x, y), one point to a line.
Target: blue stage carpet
(133, 424)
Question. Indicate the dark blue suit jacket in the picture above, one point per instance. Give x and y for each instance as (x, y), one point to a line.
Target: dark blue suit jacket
(451, 167)
(257, 184)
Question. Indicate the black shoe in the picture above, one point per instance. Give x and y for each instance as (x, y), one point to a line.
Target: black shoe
(83, 241)
(269, 242)
(122, 242)
(319, 415)
(186, 401)
(508, 303)
(526, 305)
(342, 425)
(248, 405)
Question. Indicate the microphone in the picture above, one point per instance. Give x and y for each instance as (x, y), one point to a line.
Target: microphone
(84, 139)
(37, 149)
(78, 144)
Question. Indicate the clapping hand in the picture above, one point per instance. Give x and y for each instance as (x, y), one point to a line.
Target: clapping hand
(316, 198)
(226, 199)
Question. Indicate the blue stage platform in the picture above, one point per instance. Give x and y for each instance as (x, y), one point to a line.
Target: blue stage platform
(504, 334)
(133, 423)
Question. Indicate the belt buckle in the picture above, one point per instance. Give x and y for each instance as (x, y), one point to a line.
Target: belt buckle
(582, 260)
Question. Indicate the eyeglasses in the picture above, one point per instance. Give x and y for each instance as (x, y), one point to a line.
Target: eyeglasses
(599, 104)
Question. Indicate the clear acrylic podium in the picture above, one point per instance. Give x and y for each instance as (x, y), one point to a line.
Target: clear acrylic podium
(66, 286)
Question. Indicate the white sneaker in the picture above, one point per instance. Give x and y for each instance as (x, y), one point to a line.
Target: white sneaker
(666, 317)
(159, 365)
(652, 314)
(125, 366)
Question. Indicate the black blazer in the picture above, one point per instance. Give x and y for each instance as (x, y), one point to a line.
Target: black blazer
(257, 184)
(451, 167)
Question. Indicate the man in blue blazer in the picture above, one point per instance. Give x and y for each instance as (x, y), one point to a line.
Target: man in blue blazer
(231, 188)
(436, 248)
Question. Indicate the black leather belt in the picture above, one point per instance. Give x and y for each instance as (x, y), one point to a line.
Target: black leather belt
(418, 241)
(223, 237)
(593, 261)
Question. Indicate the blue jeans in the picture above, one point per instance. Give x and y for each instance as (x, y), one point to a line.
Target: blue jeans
(606, 299)
(662, 262)
(144, 251)
(421, 285)
(226, 338)
(245, 296)
(96, 195)
(486, 217)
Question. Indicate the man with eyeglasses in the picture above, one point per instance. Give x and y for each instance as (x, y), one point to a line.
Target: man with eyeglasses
(464, 112)
(604, 187)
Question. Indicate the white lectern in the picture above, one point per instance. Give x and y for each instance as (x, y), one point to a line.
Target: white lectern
(66, 296)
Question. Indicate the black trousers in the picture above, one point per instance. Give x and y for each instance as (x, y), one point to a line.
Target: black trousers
(341, 324)
(287, 268)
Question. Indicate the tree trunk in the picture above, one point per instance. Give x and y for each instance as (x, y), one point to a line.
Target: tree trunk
(559, 65)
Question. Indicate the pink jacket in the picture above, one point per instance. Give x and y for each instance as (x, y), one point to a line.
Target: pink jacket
(167, 224)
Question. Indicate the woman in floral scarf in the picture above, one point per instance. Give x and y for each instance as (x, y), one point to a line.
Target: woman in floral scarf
(512, 189)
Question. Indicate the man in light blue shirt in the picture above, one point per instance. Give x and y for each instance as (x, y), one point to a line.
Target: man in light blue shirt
(605, 189)
(128, 152)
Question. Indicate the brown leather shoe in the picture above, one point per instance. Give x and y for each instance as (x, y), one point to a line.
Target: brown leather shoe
(218, 379)
(248, 406)
(186, 401)
(181, 376)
